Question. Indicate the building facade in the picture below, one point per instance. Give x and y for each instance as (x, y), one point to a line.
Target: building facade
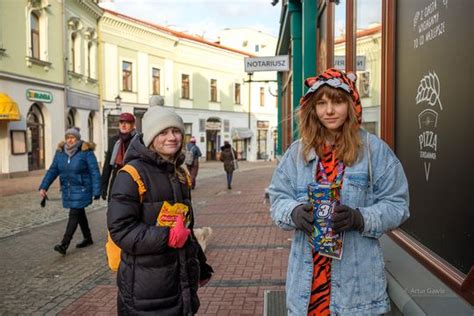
(262, 88)
(37, 80)
(32, 76)
(82, 80)
(203, 81)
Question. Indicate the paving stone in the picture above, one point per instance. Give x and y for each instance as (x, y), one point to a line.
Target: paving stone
(248, 252)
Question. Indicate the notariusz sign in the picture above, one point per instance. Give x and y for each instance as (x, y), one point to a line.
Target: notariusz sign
(273, 63)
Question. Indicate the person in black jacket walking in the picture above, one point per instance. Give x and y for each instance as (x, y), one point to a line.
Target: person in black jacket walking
(228, 157)
(161, 263)
(118, 145)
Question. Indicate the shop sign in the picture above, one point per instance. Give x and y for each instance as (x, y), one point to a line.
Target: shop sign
(272, 63)
(340, 63)
(213, 125)
(38, 95)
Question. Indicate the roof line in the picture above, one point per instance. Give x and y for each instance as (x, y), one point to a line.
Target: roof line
(178, 34)
(361, 33)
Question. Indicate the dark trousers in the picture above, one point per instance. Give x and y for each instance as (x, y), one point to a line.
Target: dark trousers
(229, 178)
(77, 216)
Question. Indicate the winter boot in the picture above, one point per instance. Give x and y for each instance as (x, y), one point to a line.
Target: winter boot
(86, 242)
(61, 248)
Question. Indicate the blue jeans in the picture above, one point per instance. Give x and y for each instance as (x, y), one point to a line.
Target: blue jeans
(229, 178)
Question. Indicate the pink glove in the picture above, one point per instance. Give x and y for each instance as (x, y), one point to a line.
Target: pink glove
(178, 234)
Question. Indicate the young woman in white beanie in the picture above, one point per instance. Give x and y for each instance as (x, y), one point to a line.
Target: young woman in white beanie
(161, 263)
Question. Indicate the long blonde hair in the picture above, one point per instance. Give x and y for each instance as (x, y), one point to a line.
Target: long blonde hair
(314, 134)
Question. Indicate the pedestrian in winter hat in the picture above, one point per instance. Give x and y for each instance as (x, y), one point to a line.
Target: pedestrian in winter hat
(154, 230)
(75, 164)
(337, 79)
(116, 149)
(74, 131)
(157, 119)
(368, 196)
(126, 117)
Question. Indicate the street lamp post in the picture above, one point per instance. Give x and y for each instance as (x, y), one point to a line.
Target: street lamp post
(118, 101)
(106, 112)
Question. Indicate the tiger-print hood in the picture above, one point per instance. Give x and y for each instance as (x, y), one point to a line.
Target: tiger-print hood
(85, 146)
(337, 79)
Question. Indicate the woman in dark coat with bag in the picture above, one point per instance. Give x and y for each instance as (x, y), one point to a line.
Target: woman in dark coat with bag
(79, 175)
(229, 158)
(161, 263)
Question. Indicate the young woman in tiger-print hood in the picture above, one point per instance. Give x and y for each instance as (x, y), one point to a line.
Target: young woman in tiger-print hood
(371, 193)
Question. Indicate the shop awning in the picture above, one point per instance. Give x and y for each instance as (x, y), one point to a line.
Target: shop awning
(241, 133)
(8, 109)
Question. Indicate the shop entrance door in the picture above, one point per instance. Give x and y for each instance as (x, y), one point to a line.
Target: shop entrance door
(35, 138)
(213, 137)
(211, 144)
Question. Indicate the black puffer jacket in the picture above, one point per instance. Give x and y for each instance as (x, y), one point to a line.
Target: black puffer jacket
(153, 279)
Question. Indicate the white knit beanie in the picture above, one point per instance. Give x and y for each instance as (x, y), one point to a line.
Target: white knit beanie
(158, 118)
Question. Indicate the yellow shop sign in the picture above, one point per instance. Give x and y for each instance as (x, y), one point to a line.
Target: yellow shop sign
(38, 95)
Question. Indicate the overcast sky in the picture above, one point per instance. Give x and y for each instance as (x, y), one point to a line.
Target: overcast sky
(204, 17)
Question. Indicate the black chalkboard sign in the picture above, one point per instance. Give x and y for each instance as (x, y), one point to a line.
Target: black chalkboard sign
(434, 123)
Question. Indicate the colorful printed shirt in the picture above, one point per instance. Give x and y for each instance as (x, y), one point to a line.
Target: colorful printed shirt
(321, 285)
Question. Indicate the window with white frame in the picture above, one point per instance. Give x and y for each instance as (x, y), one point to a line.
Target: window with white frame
(237, 93)
(35, 35)
(90, 52)
(89, 59)
(74, 60)
(74, 42)
(213, 90)
(155, 79)
(126, 76)
(185, 85)
(36, 25)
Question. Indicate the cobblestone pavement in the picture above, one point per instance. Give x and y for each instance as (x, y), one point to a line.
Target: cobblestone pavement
(248, 252)
(19, 199)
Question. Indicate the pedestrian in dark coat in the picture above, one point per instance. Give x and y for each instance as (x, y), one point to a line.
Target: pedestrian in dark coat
(161, 262)
(118, 145)
(193, 168)
(228, 155)
(78, 171)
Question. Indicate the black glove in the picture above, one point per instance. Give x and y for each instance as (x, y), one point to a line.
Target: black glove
(43, 201)
(302, 216)
(345, 218)
(96, 197)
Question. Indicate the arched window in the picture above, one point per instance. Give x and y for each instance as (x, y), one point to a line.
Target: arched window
(35, 35)
(70, 119)
(35, 138)
(90, 126)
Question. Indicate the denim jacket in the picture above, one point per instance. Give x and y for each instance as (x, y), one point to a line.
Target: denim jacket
(358, 282)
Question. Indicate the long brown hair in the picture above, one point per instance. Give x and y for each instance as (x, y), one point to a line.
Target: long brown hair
(314, 134)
